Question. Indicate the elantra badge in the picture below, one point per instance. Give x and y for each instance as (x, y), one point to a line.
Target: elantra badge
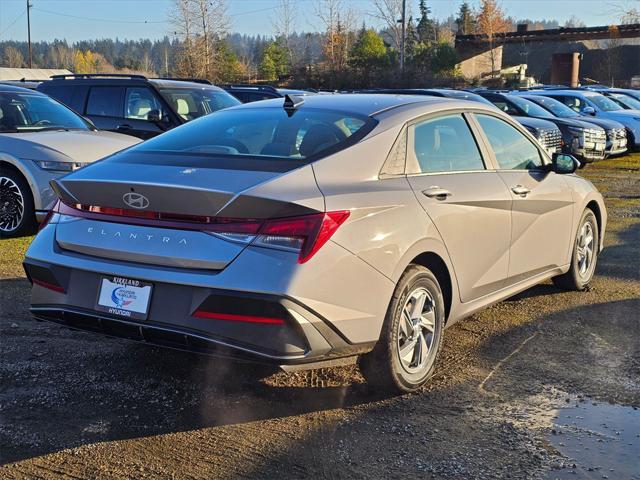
(135, 200)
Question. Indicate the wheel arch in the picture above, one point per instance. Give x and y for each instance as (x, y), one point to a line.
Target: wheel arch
(597, 211)
(24, 173)
(439, 268)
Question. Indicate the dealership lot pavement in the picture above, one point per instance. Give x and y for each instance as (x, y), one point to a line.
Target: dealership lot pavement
(544, 385)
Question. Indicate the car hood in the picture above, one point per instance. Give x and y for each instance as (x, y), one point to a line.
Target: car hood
(624, 115)
(601, 122)
(570, 122)
(535, 123)
(63, 145)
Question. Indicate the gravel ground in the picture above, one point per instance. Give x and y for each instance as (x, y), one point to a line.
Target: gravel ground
(77, 405)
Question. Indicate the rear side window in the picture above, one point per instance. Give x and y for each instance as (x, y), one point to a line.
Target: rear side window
(105, 101)
(445, 144)
(263, 133)
(512, 149)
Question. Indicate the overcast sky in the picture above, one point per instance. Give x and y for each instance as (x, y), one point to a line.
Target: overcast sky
(88, 19)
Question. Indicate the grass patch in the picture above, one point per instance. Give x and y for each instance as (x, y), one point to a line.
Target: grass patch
(628, 162)
(11, 254)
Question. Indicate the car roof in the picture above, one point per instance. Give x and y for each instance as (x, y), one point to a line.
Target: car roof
(357, 103)
(122, 80)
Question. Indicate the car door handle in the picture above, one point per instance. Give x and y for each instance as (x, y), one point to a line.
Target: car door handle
(520, 190)
(437, 192)
(124, 126)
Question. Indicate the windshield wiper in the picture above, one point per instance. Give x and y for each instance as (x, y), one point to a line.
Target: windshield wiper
(9, 130)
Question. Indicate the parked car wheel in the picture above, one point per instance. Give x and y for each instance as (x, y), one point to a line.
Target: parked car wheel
(17, 212)
(405, 356)
(584, 257)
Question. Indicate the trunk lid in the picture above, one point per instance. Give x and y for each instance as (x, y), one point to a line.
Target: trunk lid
(176, 190)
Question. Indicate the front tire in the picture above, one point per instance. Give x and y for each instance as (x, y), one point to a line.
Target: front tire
(405, 356)
(17, 211)
(584, 256)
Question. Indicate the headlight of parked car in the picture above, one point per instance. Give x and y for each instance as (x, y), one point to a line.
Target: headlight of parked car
(59, 166)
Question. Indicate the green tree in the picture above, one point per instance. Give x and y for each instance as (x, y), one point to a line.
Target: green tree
(426, 28)
(267, 68)
(411, 39)
(279, 55)
(465, 21)
(369, 50)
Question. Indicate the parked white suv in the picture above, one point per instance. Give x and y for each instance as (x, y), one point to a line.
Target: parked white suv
(40, 140)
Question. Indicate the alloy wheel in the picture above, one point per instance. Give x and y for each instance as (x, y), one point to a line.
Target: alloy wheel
(585, 248)
(416, 330)
(11, 205)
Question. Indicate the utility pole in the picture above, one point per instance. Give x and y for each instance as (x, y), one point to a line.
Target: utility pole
(404, 34)
(29, 5)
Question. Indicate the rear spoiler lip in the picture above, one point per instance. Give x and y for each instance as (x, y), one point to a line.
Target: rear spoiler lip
(62, 193)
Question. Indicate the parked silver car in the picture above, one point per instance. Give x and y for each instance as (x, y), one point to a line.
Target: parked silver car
(40, 140)
(310, 232)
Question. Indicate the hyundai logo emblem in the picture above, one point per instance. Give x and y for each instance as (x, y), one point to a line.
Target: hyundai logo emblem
(135, 200)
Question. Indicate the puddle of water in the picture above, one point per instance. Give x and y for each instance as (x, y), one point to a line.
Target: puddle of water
(599, 440)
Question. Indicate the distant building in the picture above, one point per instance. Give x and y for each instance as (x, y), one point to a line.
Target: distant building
(30, 73)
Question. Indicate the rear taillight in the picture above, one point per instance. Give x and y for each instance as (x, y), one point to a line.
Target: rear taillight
(49, 216)
(305, 234)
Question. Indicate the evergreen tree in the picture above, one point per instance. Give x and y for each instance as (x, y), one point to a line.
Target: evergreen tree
(466, 22)
(426, 28)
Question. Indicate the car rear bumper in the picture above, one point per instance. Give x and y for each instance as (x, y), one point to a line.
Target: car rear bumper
(320, 317)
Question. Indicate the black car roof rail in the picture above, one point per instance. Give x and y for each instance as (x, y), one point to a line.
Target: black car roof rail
(185, 79)
(268, 88)
(98, 75)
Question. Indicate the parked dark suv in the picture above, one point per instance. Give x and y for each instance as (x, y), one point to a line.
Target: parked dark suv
(134, 104)
(580, 138)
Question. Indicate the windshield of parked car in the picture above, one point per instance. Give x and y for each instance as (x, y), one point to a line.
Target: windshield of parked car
(626, 101)
(603, 103)
(263, 133)
(530, 108)
(190, 104)
(31, 112)
(559, 109)
(462, 95)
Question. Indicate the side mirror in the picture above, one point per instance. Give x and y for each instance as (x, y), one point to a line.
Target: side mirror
(154, 116)
(589, 111)
(564, 163)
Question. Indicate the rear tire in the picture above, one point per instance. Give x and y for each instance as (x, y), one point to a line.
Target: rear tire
(405, 356)
(17, 211)
(584, 256)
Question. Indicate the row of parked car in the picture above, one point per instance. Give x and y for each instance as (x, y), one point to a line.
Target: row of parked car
(52, 127)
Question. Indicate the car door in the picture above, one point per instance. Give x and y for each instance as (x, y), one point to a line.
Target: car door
(542, 208)
(105, 107)
(465, 198)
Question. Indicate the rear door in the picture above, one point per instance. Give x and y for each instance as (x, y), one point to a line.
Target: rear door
(542, 208)
(105, 108)
(465, 198)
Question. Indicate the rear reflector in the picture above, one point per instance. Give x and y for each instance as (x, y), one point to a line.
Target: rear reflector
(50, 286)
(304, 234)
(238, 318)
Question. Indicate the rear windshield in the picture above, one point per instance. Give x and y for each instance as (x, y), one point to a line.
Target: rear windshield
(263, 133)
(194, 103)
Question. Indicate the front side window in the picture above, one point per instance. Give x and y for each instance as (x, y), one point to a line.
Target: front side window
(512, 149)
(28, 112)
(139, 102)
(574, 103)
(190, 104)
(445, 144)
(262, 133)
(105, 101)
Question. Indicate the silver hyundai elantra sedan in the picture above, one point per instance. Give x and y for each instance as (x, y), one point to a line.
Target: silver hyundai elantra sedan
(316, 231)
